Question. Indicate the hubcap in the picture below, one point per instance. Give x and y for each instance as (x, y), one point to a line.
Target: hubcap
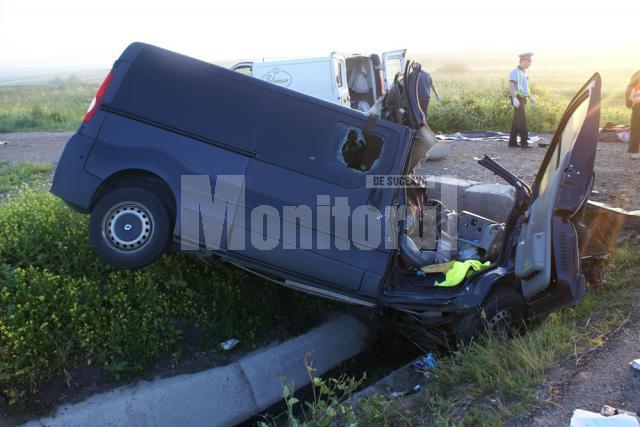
(128, 226)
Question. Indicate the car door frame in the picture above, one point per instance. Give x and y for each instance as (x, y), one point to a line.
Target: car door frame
(547, 249)
(341, 91)
(391, 55)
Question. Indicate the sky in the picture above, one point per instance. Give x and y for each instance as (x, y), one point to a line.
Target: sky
(84, 33)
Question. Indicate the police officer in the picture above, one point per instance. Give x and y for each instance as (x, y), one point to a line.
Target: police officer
(519, 92)
(632, 96)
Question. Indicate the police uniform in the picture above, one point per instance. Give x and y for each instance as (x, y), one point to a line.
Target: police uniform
(634, 103)
(519, 123)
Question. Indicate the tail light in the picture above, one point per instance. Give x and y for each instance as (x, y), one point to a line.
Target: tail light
(98, 98)
(380, 81)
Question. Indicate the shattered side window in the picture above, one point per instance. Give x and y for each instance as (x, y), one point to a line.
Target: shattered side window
(356, 151)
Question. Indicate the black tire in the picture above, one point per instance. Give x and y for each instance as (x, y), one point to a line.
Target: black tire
(129, 227)
(503, 312)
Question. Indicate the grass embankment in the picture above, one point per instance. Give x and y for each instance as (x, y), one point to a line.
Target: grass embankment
(61, 308)
(471, 100)
(14, 174)
(493, 380)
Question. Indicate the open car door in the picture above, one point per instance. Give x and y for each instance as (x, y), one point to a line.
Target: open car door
(393, 62)
(547, 251)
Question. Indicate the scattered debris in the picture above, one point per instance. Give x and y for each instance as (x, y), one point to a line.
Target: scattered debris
(484, 136)
(609, 411)
(425, 364)
(582, 418)
(4, 142)
(494, 158)
(415, 389)
(438, 151)
(614, 133)
(229, 344)
(635, 364)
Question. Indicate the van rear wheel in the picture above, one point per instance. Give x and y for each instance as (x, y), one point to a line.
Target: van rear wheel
(129, 227)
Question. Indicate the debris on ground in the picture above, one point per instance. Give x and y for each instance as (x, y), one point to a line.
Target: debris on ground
(4, 142)
(415, 389)
(635, 364)
(229, 344)
(609, 411)
(425, 364)
(582, 418)
(485, 136)
(614, 133)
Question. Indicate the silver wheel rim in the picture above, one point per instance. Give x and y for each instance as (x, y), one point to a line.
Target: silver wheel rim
(500, 321)
(128, 226)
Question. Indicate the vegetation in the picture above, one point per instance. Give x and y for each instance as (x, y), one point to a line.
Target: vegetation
(44, 107)
(61, 308)
(471, 100)
(474, 101)
(11, 175)
(495, 379)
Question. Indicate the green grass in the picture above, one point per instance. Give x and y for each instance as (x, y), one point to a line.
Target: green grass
(62, 308)
(479, 100)
(44, 107)
(14, 174)
(471, 100)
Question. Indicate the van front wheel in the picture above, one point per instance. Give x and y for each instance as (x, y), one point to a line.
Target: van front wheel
(129, 227)
(503, 313)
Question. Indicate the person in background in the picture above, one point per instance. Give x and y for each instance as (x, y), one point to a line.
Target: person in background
(632, 97)
(425, 86)
(519, 92)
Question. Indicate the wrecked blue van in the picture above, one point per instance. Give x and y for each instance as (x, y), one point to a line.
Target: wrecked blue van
(176, 154)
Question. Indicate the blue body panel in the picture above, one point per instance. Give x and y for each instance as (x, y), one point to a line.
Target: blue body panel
(170, 115)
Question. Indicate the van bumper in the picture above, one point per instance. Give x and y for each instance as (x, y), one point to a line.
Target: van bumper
(71, 182)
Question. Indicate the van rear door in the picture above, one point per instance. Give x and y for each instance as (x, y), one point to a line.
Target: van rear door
(339, 73)
(393, 62)
(547, 252)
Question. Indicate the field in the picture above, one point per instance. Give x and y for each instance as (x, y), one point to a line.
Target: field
(478, 101)
(472, 99)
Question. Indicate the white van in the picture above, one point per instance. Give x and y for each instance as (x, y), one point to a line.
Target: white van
(355, 81)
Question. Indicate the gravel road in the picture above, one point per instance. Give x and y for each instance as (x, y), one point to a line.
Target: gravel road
(43, 147)
(617, 175)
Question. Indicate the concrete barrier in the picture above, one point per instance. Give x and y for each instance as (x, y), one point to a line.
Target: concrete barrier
(220, 396)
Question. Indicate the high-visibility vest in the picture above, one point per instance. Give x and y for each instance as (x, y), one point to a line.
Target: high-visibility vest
(635, 94)
(522, 79)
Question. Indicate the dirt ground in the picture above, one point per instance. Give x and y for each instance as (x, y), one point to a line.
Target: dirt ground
(604, 377)
(617, 175)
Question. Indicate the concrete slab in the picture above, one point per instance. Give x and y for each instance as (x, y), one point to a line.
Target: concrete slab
(267, 370)
(220, 396)
(493, 201)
